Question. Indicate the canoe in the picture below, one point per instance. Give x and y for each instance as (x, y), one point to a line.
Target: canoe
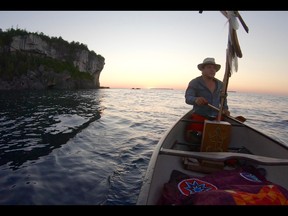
(246, 147)
(230, 163)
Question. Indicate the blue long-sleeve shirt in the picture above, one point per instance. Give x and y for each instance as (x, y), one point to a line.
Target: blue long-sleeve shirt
(197, 88)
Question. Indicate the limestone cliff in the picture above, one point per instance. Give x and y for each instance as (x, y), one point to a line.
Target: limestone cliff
(35, 61)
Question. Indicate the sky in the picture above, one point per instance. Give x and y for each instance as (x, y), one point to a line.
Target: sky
(161, 49)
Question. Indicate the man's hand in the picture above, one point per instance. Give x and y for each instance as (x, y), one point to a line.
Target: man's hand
(201, 101)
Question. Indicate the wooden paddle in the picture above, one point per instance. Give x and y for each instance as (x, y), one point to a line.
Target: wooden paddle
(239, 118)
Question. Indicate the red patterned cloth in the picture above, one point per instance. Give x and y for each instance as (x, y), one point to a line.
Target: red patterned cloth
(243, 186)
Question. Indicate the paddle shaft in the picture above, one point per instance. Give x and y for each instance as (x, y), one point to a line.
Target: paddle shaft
(239, 118)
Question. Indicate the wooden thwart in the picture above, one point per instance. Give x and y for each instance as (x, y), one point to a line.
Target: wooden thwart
(193, 164)
(223, 156)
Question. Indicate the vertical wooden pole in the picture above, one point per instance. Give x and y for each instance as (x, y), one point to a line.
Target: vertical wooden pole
(225, 86)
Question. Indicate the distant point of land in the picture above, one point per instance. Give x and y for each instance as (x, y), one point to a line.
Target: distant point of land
(162, 88)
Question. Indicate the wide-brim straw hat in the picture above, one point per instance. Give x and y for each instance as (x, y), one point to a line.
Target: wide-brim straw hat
(210, 61)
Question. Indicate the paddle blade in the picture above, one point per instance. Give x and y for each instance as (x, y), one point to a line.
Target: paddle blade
(240, 118)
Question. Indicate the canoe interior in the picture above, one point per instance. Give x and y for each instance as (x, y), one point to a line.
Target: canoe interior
(242, 137)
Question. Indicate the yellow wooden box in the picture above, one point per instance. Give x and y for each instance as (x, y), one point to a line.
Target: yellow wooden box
(216, 136)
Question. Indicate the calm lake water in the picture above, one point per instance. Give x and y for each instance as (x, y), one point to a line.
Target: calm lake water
(92, 147)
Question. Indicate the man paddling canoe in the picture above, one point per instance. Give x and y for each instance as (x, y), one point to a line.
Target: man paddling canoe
(204, 90)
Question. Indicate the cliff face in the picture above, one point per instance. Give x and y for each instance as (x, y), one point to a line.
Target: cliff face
(42, 76)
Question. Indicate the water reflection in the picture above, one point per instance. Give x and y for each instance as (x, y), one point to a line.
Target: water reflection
(33, 123)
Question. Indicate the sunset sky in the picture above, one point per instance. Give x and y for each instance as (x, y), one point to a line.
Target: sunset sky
(162, 49)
